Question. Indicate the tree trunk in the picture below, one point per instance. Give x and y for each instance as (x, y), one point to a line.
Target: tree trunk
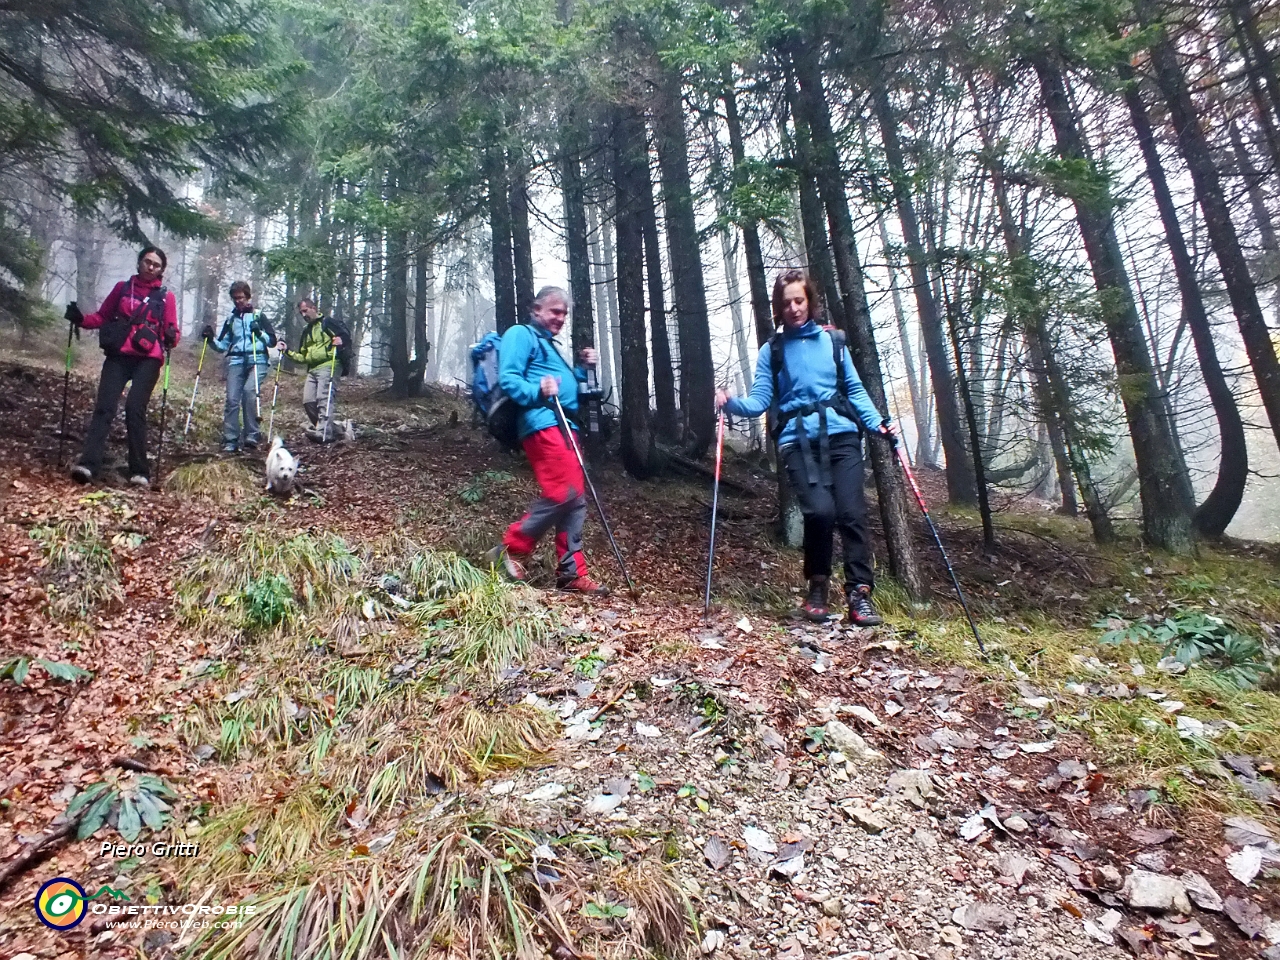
(601, 293)
(697, 373)
(761, 310)
(398, 311)
(1260, 61)
(961, 481)
(1164, 489)
(630, 172)
(1215, 513)
(522, 246)
(423, 290)
(613, 340)
(816, 243)
(504, 279)
(1194, 147)
(919, 408)
(971, 418)
(894, 512)
(575, 228)
(667, 423)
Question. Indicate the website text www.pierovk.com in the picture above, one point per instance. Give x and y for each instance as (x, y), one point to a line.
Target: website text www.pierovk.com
(185, 916)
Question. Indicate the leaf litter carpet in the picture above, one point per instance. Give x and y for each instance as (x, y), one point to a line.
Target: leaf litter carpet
(816, 790)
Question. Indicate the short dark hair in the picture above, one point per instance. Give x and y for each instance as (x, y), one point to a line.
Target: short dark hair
(785, 279)
(241, 286)
(152, 248)
(306, 302)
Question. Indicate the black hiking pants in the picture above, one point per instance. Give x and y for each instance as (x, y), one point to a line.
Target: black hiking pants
(118, 370)
(841, 505)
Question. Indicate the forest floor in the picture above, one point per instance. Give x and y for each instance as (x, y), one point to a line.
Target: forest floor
(327, 713)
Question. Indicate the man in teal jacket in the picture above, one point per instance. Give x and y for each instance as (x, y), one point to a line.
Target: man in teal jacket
(245, 339)
(531, 372)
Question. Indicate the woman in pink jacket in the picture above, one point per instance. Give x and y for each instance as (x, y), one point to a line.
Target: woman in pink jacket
(137, 324)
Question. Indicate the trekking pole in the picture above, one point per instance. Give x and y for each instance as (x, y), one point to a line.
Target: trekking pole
(164, 407)
(257, 384)
(191, 407)
(715, 502)
(328, 407)
(915, 488)
(66, 387)
(274, 393)
(573, 442)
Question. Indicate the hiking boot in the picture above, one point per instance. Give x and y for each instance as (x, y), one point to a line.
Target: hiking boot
(229, 448)
(815, 604)
(81, 474)
(584, 585)
(251, 444)
(511, 565)
(314, 435)
(138, 480)
(861, 611)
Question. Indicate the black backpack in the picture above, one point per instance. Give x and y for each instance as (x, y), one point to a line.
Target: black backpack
(114, 333)
(817, 469)
(840, 402)
(346, 352)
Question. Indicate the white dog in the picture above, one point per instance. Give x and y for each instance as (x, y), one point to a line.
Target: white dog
(282, 469)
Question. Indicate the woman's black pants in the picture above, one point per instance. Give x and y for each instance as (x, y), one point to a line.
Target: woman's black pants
(839, 506)
(118, 370)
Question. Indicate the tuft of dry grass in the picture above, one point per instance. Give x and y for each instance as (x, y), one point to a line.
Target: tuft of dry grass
(80, 566)
(221, 482)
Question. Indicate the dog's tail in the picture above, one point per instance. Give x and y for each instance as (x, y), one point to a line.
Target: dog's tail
(276, 444)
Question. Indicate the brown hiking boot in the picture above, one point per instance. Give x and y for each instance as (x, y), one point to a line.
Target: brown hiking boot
(511, 564)
(861, 611)
(815, 604)
(584, 585)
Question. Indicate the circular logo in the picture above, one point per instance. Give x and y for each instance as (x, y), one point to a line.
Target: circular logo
(60, 903)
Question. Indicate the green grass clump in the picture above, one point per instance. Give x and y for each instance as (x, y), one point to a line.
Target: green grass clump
(80, 566)
(222, 482)
(1227, 685)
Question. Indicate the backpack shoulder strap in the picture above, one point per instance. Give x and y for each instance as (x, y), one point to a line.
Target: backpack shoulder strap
(775, 365)
(837, 353)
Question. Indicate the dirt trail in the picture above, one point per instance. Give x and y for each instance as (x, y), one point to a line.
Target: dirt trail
(817, 791)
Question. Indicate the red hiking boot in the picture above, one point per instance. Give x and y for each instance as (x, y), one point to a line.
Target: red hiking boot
(815, 604)
(511, 564)
(861, 611)
(584, 585)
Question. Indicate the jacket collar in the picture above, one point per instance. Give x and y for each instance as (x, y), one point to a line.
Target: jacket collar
(810, 329)
(137, 283)
(542, 331)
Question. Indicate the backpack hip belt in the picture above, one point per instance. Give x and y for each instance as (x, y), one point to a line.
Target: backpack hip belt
(816, 470)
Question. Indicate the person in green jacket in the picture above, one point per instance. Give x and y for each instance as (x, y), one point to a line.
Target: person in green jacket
(318, 351)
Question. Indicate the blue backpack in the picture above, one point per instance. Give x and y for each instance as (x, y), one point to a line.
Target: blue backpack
(500, 414)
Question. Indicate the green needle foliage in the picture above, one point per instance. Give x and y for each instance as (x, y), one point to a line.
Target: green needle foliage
(112, 106)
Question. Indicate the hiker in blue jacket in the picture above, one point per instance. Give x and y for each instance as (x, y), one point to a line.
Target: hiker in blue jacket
(245, 339)
(531, 372)
(819, 435)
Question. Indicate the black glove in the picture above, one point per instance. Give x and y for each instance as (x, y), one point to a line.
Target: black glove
(207, 332)
(74, 315)
(254, 329)
(170, 338)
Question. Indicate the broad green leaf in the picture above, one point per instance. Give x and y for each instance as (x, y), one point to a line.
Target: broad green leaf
(85, 796)
(152, 811)
(97, 815)
(129, 823)
(65, 671)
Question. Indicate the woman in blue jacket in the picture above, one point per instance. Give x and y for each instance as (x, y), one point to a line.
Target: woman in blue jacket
(822, 410)
(245, 339)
